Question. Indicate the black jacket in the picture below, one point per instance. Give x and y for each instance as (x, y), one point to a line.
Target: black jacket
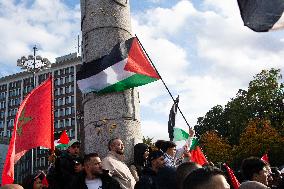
(147, 180)
(107, 182)
(63, 176)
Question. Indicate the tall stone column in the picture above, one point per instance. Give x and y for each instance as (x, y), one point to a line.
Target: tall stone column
(105, 23)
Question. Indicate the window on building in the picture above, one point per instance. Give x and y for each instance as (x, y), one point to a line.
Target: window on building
(62, 90)
(2, 114)
(56, 124)
(67, 90)
(71, 78)
(61, 71)
(62, 112)
(42, 161)
(56, 113)
(71, 133)
(73, 121)
(61, 80)
(66, 79)
(56, 72)
(1, 124)
(67, 123)
(67, 111)
(72, 69)
(61, 123)
(66, 70)
(72, 89)
(56, 81)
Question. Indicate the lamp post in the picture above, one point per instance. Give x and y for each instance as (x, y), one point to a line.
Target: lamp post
(33, 64)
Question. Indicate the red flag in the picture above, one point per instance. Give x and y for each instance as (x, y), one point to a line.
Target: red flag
(197, 156)
(196, 153)
(233, 178)
(64, 139)
(33, 127)
(265, 158)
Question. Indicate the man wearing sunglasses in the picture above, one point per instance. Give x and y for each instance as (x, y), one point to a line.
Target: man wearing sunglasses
(69, 165)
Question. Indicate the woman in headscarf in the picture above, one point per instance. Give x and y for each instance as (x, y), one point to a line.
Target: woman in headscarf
(141, 152)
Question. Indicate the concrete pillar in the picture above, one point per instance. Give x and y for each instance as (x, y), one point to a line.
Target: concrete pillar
(105, 23)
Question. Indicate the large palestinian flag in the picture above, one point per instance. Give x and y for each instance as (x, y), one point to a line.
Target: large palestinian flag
(125, 67)
(262, 15)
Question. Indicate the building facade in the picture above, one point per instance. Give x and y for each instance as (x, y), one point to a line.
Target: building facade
(67, 107)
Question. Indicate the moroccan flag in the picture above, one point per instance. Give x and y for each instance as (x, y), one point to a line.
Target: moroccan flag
(196, 154)
(33, 127)
(234, 180)
(265, 158)
(180, 134)
(262, 15)
(126, 66)
(172, 119)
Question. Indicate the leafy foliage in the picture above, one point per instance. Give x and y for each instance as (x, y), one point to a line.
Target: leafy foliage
(263, 100)
(252, 121)
(149, 141)
(216, 148)
(260, 138)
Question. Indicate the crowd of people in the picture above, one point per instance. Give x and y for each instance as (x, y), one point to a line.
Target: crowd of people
(161, 167)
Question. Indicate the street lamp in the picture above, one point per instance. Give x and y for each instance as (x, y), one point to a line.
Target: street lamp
(33, 63)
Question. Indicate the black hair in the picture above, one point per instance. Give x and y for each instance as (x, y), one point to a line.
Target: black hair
(183, 170)
(199, 178)
(159, 144)
(250, 166)
(139, 150)
(88, 157)
(167, 145)
(28, 181)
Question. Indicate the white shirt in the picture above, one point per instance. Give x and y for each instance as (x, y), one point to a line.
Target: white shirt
(94, 184)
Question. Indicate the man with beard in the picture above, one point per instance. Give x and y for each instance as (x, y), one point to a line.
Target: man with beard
(94, 176)
(113, 162)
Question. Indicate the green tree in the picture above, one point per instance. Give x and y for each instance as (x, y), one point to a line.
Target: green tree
(258, 139)
(263, 100)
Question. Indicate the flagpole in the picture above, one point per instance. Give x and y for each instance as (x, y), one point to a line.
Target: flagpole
(162, 80)
(52, 113)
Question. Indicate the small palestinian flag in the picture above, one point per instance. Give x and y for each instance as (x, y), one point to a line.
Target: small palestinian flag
(125, 67)
(62, 142)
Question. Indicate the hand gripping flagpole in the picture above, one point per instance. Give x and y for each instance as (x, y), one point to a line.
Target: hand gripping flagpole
(162, 80)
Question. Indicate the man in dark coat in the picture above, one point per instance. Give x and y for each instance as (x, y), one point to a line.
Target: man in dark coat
(94, 177)
(68, 166)
(148, 179)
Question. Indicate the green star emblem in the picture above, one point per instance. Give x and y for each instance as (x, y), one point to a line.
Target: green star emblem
(22, 121)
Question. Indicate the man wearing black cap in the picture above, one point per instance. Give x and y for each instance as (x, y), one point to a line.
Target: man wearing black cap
(148, 179)
(68, 165)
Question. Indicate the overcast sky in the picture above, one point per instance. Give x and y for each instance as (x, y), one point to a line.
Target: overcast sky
(201, 49)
